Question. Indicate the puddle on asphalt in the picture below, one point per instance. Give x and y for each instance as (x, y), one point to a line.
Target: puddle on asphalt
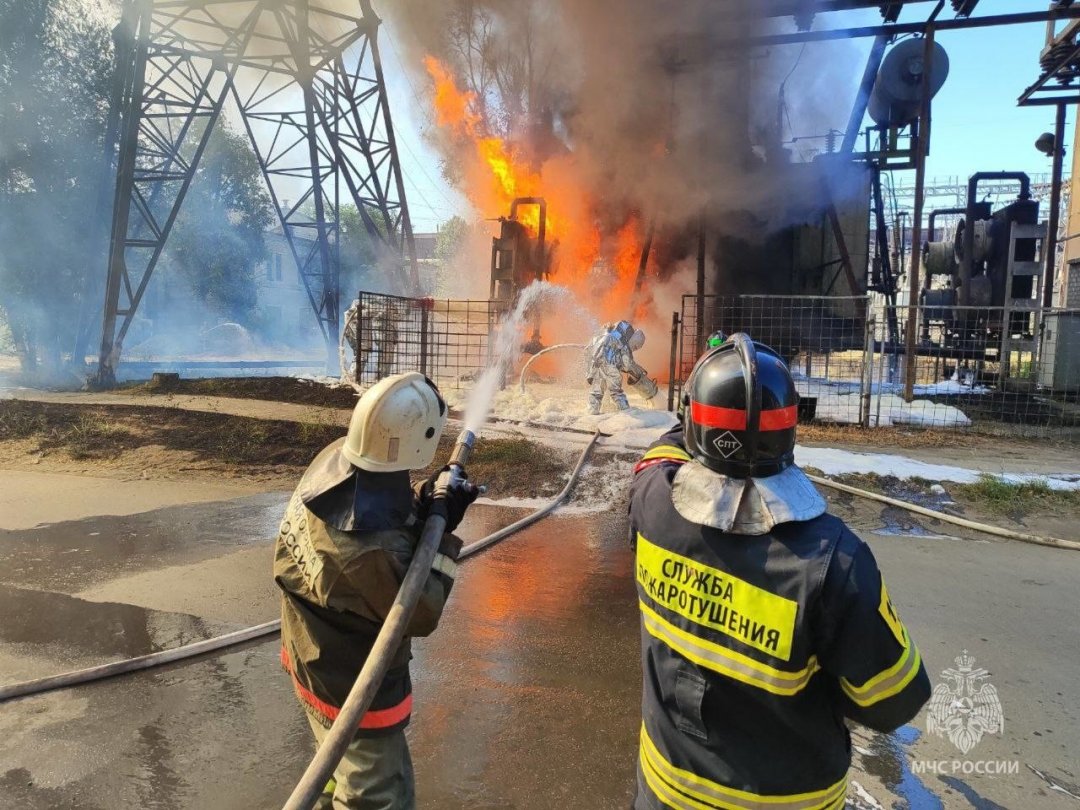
(73, 555)
(885, 757)
(66, 629)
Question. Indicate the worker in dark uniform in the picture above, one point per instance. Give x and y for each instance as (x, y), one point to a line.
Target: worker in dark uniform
(343, 549)
(765, 620)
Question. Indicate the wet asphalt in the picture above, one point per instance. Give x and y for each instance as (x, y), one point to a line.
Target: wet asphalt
(527, 696)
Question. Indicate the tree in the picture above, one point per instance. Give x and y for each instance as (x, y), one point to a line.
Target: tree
(451, 239)
(217, 240)
(55, 70)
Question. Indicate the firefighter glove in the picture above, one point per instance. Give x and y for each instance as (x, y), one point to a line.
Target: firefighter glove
(458, 497)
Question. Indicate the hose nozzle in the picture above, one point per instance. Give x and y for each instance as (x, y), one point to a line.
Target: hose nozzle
(463, 448)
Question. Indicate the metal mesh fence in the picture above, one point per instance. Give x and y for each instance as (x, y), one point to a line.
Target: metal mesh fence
(445, 339)
(986, 369)
(1002, 371)
(823, 340)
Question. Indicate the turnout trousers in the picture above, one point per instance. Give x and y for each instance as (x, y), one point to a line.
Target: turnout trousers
(376, 773)
(607, 379)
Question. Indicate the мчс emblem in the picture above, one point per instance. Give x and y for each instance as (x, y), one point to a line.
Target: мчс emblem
(965, 708)
(727, 444)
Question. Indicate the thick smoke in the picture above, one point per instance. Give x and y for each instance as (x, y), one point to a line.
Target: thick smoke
(663, 111)
(654, 111)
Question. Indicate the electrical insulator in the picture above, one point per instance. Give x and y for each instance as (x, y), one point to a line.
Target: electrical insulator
(963, 8)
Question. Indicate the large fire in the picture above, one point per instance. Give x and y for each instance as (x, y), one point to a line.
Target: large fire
(601, 267)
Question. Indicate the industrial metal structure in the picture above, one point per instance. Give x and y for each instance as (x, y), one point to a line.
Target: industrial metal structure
(307, 81)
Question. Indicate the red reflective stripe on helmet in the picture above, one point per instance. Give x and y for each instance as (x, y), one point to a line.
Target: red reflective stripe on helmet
(779, 418)
(715, 417)
(374, 718)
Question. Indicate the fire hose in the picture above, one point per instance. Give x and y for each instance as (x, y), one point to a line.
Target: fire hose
(985, 528)
(541, 353)
(260, 631)
(638, 378)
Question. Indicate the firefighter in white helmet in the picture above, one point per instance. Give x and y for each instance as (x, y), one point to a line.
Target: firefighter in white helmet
(609, 355)
(344, 546)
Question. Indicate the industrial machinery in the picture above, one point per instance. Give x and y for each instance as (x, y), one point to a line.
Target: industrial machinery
(519, 254)
(983, 285)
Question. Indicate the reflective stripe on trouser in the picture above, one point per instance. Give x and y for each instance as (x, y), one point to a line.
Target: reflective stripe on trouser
(376, 773)
(683, 790)
(607, 377)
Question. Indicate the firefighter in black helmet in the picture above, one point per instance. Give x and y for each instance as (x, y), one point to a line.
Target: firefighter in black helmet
(765, 620)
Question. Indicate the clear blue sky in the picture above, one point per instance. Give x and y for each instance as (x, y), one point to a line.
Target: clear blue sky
(976, 123)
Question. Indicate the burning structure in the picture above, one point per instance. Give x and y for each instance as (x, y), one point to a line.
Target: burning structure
(661, 144)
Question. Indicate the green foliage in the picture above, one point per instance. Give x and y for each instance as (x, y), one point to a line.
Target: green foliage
(451, 239)
(217, 242)
(1016, 499)
(55, 69)
(359, 252)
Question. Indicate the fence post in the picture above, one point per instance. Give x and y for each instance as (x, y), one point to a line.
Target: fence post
(423, 337)
(867, 376)
(360, 325)
(674, 356)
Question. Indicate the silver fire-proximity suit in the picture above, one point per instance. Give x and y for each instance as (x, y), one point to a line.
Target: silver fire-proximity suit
(609, 355)
(372, 329)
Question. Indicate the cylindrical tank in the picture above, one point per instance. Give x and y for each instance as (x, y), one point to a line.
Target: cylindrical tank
(897, 91)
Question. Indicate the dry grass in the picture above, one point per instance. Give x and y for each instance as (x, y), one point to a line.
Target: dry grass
(165, 441)
(271, 389)
(833, 435)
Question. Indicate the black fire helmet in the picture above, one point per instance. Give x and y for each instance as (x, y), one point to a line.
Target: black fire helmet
(740, 407)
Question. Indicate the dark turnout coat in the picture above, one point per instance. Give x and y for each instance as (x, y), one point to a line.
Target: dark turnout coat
(755, 648)
(342, 551)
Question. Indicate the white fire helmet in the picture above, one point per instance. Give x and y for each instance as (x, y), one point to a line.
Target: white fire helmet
(396, 425)
(637, 340)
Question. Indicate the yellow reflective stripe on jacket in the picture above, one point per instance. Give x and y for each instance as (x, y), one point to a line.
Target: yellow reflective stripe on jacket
(684, 790)
(888, 683)
(727, 662)
(714, 598)
(666, 451)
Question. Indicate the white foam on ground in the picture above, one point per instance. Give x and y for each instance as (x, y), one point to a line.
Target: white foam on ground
(842, 402)
(587, 508)
(563, 405)
(832, 461)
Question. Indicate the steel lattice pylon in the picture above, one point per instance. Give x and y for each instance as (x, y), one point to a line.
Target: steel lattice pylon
(307, 80)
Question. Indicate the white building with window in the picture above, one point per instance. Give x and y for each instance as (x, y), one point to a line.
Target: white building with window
(282, 301)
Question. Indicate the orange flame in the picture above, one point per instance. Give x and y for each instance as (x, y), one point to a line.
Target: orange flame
(600, 267)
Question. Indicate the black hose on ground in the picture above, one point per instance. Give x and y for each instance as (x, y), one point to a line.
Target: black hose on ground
(97, 673)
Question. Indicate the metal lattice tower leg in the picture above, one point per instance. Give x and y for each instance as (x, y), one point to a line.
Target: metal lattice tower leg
(308, 83)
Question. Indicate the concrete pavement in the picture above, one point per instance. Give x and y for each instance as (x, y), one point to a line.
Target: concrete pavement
(526, 697)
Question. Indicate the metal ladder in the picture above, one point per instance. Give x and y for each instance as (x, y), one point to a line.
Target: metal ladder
(1031, 307)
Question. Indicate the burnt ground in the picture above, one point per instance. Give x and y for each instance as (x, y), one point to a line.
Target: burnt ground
(273, 389)
(126, 440)
(312, 392)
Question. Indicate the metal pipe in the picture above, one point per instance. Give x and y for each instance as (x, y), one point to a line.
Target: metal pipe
(1050, 243)
(922, 148)
(408, 238)
(966, 260)
(699, 342)
(931, 236)
(897, 29)
(862, 98)
(672, 361)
